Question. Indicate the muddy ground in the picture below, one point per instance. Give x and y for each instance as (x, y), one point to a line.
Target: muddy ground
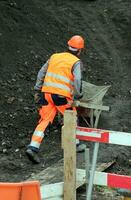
(30, 31)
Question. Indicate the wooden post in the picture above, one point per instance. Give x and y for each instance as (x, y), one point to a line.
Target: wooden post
(69, 146)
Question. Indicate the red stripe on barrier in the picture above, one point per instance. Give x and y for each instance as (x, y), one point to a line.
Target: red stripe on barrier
(89, 130)
(104, 138)
(119, 181)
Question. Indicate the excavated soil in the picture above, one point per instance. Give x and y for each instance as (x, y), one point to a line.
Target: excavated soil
(30, 31)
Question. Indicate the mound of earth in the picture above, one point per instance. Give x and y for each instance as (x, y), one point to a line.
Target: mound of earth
(30, 32)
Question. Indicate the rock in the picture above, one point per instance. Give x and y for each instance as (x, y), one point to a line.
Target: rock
(17, 150)
(10, 100)
(4, 150)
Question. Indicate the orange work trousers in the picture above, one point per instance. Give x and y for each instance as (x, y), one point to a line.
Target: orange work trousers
(52, 104)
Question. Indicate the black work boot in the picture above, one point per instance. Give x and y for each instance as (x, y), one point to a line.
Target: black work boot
(33, 156)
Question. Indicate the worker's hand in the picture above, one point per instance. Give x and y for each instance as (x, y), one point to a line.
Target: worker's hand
(70, 103)
(78, 97)
(75, 103)
(37, 97)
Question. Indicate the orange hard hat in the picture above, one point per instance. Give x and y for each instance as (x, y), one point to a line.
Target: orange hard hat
(76, 41)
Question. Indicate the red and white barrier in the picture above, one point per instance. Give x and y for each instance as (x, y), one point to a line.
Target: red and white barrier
(111, 137)
(103, 136)
(112, 180)
(70, 133)
(55, 191)
(107, 179)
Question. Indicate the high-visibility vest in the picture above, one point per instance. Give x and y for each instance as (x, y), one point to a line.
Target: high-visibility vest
(59, 78)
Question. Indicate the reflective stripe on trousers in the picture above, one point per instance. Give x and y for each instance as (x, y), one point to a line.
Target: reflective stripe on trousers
(47, 114)
(37, 138)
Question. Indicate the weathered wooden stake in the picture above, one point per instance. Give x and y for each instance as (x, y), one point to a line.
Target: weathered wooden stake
(69, 146)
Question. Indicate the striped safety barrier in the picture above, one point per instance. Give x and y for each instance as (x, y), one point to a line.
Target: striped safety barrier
(103, 136)
(70, 133)
(111, 137)
(112, 180)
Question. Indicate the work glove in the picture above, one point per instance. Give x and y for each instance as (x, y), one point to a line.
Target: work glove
(78, 97)
(37, 97)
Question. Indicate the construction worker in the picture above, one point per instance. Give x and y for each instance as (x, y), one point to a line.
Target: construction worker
(59, 82)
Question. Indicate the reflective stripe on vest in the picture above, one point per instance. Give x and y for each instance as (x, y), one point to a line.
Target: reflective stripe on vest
(60, 77)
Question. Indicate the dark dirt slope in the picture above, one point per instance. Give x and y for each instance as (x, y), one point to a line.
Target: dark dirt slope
(30, 30)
